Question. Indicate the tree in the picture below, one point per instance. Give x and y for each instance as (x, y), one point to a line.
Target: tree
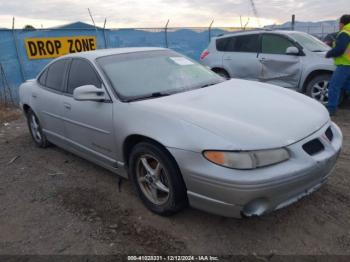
(29, 27)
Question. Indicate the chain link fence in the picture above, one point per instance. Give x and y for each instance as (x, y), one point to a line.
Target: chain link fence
(16, 67)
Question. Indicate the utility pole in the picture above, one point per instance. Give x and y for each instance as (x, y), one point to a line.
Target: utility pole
(166, 34)
(209, 29)
(293, 22)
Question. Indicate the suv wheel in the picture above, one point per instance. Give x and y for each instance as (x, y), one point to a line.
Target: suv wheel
(317, 88)
(157, 179)
(222, 73)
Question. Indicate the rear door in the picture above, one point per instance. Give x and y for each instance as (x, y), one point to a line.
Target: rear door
(88, 124)
(241, 57)
(47, 101)
(277, 67)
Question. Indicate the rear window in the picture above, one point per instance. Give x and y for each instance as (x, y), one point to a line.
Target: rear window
(221, 44)
(42, 78)
(243, 43)
(55, 75)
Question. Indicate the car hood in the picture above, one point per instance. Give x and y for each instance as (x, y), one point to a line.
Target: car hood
(249, 115)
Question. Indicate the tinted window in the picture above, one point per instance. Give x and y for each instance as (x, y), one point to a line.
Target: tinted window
(244, 43)
(221, 44)
(55, 75)
(81, 73)
(42, 78)
(275, 44)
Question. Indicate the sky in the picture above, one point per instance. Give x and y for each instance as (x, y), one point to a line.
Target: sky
(155, 13)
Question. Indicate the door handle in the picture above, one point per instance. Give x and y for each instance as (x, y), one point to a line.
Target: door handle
(228, 58)
(34, 95)
(67, 105)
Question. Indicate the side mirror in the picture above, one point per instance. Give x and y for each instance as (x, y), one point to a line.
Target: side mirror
(89, 93)
(292, 50)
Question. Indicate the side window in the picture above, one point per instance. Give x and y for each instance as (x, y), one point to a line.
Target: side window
(42, 78)
(55, 75)
(221, 44)
(246, 43)
(81, 73)
(275, 44)
(231, 44)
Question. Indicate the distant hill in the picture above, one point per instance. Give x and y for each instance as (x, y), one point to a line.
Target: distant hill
(318, 29)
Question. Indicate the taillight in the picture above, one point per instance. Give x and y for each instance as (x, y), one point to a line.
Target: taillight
(204, 54)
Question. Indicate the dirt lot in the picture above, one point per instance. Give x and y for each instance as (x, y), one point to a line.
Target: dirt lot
(52, 202)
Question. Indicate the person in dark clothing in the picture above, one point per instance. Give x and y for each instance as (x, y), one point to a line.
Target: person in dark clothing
(341, 53)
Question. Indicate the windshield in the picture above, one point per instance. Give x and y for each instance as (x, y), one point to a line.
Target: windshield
(310, 42)
(154, 73)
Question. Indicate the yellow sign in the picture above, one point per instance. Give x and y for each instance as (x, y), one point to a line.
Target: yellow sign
(39, 48)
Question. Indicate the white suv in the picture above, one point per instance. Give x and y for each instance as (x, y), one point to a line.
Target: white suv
(286, 58)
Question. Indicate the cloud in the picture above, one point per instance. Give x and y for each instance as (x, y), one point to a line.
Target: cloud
(154, 13)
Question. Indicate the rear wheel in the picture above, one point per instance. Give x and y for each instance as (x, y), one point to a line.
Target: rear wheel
(35, 130)
(223, 73)
(157, 179)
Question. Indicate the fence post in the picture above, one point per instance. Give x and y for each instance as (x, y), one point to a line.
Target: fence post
(104, 32)
(6, 85)
(19, 58)
(322, 31)
(293, 22)
(93, 21)
(209, 29)
(166, 33)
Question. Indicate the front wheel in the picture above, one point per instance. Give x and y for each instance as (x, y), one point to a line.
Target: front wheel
(157, 179)
(317, 88)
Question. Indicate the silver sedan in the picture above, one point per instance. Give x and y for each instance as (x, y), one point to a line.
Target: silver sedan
(182, 134)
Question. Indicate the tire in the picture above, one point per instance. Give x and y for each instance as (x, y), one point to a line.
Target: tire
(162, 189)
(36, 132)
(223, 73)
(321, 83)
(317, 88)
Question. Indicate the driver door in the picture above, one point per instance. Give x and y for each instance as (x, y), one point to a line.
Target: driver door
(88, 124)
(277, 67)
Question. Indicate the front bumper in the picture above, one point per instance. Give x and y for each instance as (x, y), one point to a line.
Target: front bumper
(237, 193)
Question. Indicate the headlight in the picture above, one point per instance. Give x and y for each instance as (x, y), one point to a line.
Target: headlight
(247, 159)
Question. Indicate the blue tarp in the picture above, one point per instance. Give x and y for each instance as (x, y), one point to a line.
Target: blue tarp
(185, 41)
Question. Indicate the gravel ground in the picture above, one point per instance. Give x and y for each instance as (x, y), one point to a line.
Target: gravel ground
(52, 202)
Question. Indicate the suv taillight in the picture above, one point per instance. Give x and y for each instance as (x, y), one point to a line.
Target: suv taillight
(204, 54)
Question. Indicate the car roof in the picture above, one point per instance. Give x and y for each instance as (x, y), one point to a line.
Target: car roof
(92, 55)
(257, 31)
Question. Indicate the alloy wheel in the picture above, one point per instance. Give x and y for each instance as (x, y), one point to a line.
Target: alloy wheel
(153, 179)
(35, 128)
(320, 91)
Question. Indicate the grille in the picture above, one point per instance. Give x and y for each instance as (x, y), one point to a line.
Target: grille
(329, 134)
(313, 147)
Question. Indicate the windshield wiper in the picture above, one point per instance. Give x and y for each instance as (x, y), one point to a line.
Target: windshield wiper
(210, 84)
(153, 95)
